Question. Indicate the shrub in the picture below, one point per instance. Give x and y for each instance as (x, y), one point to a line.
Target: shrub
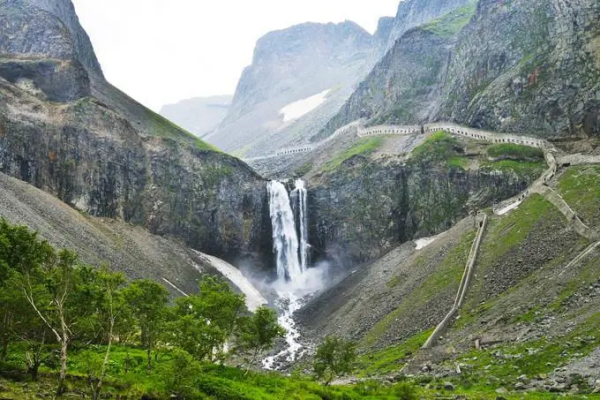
(334, 358)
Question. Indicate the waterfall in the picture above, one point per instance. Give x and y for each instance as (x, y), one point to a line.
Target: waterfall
(292, 262)
(285, 237)
(301, 194)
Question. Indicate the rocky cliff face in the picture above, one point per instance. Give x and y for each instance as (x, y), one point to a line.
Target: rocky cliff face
(288, 66)
(104, 154)
(368, 207)
(403, 87)
(384, 29)
(413, 13)
(528, 66)
(82, 46)
(199, 115)
(521, 66)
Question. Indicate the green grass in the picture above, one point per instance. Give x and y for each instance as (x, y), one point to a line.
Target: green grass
(391, 359)
(224, 383)
(580, 187)
(363, 147)
(211, 381)
(504, 234)
(451, 23)
(533, 358)
(304, 169)
(515, 152)
(440, 147)
(531, 169)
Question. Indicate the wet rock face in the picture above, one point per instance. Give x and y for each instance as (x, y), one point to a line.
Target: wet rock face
(360, 213)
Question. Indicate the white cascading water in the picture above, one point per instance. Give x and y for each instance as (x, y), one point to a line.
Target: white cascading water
(292, 261)
(285, 238)
(300, 191)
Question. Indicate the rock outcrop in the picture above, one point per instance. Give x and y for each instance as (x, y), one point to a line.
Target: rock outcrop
(412, 13)
(104, 154)
(528, 66)
(65, 12)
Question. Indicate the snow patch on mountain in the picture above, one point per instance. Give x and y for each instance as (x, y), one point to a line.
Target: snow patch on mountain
(302, 107)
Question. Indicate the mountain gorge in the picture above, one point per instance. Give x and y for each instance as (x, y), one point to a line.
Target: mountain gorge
(436, 203)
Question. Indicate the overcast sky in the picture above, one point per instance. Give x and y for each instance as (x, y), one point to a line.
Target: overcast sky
(163, 51)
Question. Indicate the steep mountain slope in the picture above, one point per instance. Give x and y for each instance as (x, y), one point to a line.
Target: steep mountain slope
(200, 115)
(530, 315)
(77, 137)
(519, 66)
(404, 87)
(288, 66)
(537, 70)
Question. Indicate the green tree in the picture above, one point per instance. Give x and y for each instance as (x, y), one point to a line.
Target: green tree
(47, 281)
(55, 280)
(181, 375)
(204, 322)
(334, 358)
(259, 332)
(21, 252)
(110, 284)
(148, 302)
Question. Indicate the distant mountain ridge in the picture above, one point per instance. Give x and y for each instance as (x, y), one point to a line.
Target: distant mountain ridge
(291, 65)
(200, 115)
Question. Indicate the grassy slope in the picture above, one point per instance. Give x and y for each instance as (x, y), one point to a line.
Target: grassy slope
(214, 382)
(580, 187)
(220, 383)
(442, 147)
(363, 147)
(451, 23)
(446, 277)
(524, 245)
